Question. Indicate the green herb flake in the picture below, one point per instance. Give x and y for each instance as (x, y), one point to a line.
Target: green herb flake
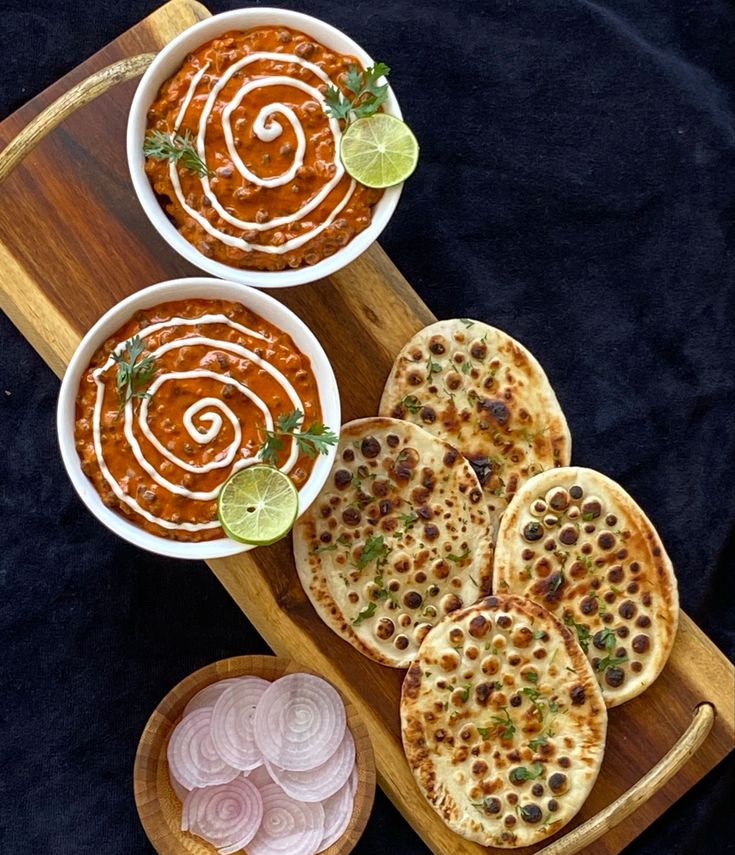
(176, 148)
(412, 403)
(316, 439)
(505, 723)
(368, 94)
(521, 773)
(133, 375)
(583, 633)
(460, 557)
(366, 613)
(432, 368)
(330, 547)
(374, 549)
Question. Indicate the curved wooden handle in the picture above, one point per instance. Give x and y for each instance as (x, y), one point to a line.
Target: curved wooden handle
(64, 106)
(585, 834)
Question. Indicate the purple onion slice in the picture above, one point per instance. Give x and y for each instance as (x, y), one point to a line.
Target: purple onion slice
(209, 695)
(337, 814)
(228, 815)
(300, 722)
(232, 723)
(288, 827)
(193, 760)
(315, 785)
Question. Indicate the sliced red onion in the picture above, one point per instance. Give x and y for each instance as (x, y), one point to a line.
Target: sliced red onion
(300, 722)
(227, 816)
(337, 814)
(232, 723)
(192, 758)
(315, 785)
(288, 827)
(209, 695)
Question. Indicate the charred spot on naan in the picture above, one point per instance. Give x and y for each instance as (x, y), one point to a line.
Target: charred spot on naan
(577, 543)
(503, 723)
(398, 537)
(475, 387)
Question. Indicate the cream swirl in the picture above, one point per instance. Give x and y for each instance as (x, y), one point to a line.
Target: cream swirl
(203, 420)
(267, 129)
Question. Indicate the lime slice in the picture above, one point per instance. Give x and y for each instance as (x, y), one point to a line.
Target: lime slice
(379, 151)
(258, 505)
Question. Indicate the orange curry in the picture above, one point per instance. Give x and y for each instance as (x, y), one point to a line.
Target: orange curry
(161, 458)
(271, 192)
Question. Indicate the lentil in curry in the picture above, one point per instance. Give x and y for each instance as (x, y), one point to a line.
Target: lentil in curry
(274, 193)
(221, 377)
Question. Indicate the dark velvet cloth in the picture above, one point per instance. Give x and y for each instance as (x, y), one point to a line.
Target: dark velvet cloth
(577, 189)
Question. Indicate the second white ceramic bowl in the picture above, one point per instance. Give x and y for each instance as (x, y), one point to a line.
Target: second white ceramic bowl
(183, 289)
(167, 63)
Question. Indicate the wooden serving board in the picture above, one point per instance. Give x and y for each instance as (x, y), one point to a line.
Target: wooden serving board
(98, 247)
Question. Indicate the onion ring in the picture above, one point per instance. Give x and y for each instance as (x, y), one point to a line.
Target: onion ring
(192, 758)
(315, 785)
(299, 722)
(209, 695)
(337, 815)
(228, 816)
(232, 723)
(289, 827)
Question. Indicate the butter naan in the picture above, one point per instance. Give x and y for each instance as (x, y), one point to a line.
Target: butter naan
(398, 537)
(479, 389)
(576, 542)
(503, 722)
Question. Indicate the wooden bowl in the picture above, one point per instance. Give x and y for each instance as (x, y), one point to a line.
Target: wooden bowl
(158, 806)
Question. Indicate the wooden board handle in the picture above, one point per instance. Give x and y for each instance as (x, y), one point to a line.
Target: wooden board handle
(585, 834)
(64, 106)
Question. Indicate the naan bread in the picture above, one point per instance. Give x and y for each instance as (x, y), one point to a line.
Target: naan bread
(398, 537)
(576, 542)
(477, 388)
(503, 722)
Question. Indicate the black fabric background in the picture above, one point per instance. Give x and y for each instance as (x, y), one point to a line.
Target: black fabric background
(577, 189)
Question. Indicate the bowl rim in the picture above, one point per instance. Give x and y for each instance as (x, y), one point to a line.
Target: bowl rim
(168, 713)
(197, 287)
(166, 63)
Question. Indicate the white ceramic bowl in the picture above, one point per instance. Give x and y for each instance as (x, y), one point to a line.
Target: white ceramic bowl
(168, 61)
(181, 289)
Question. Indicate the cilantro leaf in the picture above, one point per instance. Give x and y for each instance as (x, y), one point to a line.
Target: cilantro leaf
(316, 439)
(368, 94)
(366, 613)
(132, 375)
(373, 550)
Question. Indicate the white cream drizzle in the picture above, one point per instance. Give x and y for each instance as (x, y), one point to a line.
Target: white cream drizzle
(267, 129)
(207, 410)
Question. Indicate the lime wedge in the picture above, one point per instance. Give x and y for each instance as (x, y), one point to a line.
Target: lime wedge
(258, 505)
(379, 151)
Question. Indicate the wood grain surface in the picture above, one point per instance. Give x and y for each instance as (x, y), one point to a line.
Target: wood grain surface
(158, 805)
(98, 247)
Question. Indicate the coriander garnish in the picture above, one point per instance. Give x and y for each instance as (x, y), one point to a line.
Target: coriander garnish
(133, 376)
(368, 94)
(373, 550)
(175, 148)
(411, 403)
(583, 633)
(366, 613)
(315, 440)
(505, 723)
